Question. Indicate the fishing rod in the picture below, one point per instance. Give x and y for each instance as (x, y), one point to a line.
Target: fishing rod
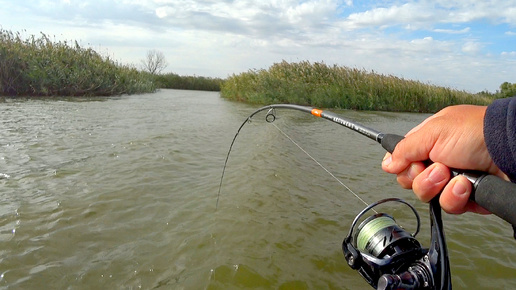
(383, 253)
(491, 192)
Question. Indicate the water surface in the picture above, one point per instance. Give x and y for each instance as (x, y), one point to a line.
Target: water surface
(120, 193)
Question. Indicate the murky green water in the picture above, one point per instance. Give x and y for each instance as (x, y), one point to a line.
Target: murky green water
(120, 193)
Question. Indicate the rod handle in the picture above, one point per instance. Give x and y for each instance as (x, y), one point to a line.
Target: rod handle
(497, 196)
(490, 192)
(389, 141)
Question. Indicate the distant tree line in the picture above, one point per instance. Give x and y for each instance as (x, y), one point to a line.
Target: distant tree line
(175, 81)
(155, 62)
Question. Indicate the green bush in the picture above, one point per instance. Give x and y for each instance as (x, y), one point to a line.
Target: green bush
(41, 67)
(320, 85)
(507, 90)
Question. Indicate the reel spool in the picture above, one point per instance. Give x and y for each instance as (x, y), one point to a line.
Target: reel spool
(379, 235)
(387, 256)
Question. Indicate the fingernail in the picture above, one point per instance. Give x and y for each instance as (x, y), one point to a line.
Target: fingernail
(436, 176)
(412, 172)
(459, 188)
(387, 160)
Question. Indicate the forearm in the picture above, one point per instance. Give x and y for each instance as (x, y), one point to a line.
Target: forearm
(500, 134)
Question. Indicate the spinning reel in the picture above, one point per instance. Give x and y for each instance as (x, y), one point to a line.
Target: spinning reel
(388, 257)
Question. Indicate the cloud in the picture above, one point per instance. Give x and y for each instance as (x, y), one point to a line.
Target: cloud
(264, 19)
(472, 47)
(510, 54)
(428, 13)
(415, 14)
(495, 11)
(453, 31)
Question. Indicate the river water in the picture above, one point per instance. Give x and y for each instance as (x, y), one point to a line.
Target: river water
(121, 193)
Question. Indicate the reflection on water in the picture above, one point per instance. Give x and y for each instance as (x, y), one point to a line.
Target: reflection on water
(121, 192)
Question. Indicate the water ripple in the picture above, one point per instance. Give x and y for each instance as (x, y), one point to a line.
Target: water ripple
(121, 193)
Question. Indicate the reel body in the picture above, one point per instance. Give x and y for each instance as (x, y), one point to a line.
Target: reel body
(388, 257)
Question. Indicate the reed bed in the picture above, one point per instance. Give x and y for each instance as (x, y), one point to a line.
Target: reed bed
(38, 66)
(321, 85)
(175, 81)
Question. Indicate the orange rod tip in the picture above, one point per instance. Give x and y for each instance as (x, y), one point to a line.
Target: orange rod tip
(316, 112)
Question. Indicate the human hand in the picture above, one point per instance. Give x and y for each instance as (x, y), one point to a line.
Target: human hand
(452, 138)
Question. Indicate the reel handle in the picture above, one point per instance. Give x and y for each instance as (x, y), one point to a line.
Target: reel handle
(491, 192)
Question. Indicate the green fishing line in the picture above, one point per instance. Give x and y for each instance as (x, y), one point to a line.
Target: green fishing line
(371, 228)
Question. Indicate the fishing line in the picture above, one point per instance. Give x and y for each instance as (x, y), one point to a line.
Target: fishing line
(270, 117)
(320, 165)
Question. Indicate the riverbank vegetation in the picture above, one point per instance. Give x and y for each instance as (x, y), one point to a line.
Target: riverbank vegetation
(38, 66)
(175, 81)
(321, 85)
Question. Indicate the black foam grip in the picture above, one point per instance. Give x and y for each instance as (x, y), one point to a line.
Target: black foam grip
(497, 196)
(389, 141)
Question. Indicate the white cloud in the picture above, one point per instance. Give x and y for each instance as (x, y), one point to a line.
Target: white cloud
(496, 11)
(472, 47)
(427, 13)
(262, 19)
(162, 12)
(453, 31)
(414, 14)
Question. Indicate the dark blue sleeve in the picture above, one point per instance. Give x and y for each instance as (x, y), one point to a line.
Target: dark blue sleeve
(500, 134)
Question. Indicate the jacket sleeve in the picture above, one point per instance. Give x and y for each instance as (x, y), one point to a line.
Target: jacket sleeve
(500, 134)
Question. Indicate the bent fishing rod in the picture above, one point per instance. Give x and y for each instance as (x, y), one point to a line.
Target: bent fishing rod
(491, 192)
(383, 253)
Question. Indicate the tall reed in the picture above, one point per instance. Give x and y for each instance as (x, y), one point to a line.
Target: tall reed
(321, 85)
(175, 81)
(42, 67)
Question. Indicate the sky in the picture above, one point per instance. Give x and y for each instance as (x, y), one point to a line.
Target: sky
(461, 44)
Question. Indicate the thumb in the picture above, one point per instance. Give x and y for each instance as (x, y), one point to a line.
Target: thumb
(455, 195)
